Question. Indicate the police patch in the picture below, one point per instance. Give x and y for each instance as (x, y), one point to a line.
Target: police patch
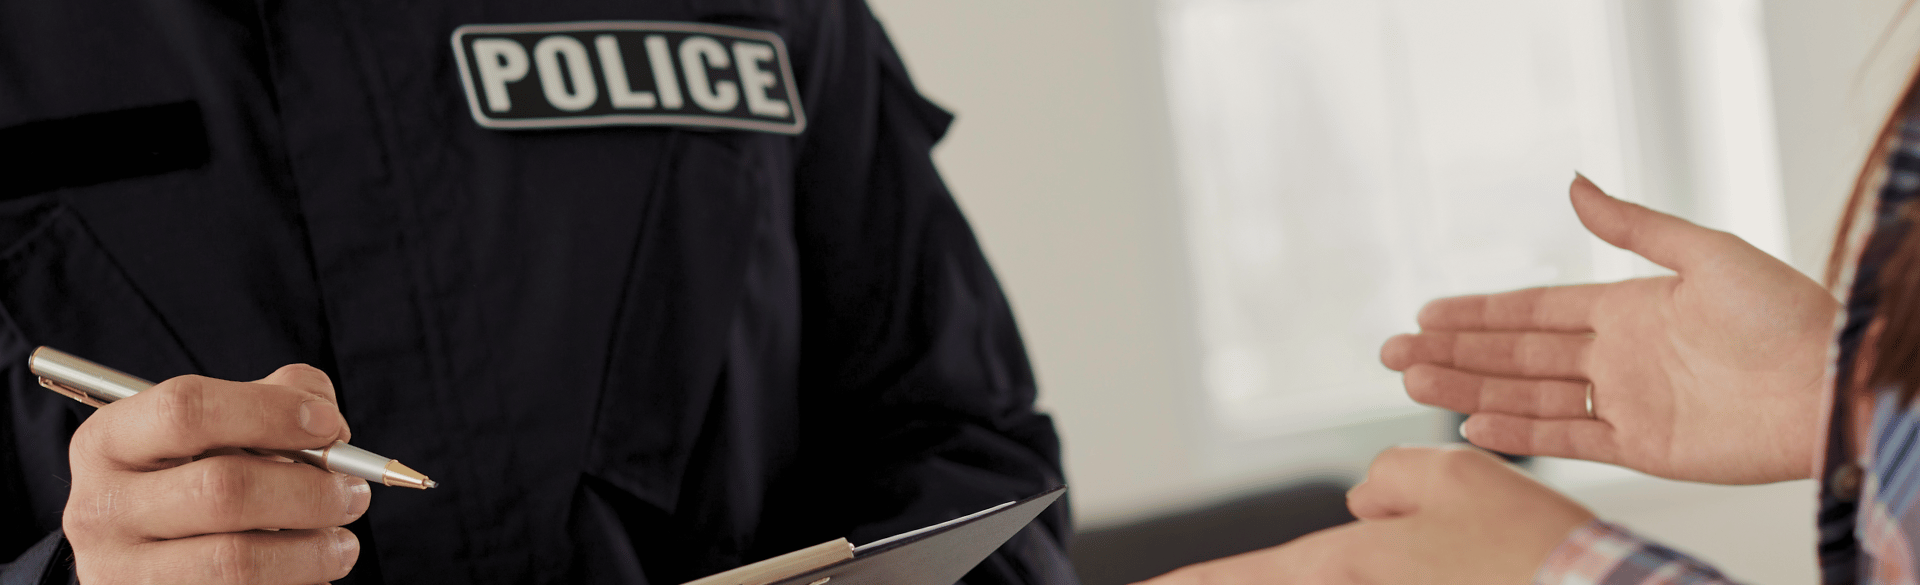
(610, 73)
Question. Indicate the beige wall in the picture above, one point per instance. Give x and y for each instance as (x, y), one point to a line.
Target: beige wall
(1060, 158)
(1831, 92)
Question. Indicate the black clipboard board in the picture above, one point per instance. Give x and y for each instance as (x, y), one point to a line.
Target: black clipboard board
(936, 555)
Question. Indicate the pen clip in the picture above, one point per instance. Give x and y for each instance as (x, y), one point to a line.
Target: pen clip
(70, 392)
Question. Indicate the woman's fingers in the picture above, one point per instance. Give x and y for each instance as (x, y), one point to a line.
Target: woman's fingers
(1529, 355)
(1393, 485)
(1401, 480)
(1572, 438)
(1554, 308)
(1469, 393)
(1666, 240)
(1464, 392)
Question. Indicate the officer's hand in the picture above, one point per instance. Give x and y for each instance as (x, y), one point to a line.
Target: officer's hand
(162, 495)
(1714, 374)
(1427, 515)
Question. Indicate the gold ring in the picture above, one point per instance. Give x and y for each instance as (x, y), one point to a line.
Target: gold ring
(1590, 413)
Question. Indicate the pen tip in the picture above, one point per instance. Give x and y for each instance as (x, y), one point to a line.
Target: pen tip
(432, 484)
(398, 474)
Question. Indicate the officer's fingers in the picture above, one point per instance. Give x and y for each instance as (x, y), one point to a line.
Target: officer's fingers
(189, 415)
(303, 377)
(1469, 393)
(289, 557)
(308, 379)
(1572, 438)
(232, 494)
(1529, 355)
(1554, 308)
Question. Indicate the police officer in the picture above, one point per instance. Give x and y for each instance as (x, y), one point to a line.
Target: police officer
(651, 289)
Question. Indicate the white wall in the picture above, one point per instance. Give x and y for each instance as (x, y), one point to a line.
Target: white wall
(1831, 93)
(1060, 158)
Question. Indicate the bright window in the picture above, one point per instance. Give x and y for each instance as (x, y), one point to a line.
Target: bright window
(1343, 161)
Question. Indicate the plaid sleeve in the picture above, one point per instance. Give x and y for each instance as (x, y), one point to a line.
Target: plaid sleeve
(1600, 553)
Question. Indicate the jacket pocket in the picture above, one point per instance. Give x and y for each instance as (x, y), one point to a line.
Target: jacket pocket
(59, 288)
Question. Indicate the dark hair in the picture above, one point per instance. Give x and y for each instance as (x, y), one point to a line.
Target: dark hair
(1895, 354)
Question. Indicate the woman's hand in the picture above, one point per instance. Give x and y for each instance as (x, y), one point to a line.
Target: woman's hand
(1714, 374)
(1427, 515)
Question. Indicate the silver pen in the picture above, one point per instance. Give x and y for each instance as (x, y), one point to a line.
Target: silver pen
(97, 385)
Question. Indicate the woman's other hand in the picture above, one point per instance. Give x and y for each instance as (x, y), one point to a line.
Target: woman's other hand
(1715, 374)
(1427, 515)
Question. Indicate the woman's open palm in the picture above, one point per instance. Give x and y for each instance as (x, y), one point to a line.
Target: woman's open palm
(1714, 374)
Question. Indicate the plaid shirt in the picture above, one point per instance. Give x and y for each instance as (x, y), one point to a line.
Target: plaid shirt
(1604, 554)
(1868, 521)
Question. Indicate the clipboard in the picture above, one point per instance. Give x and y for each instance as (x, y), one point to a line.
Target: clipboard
(936, 555)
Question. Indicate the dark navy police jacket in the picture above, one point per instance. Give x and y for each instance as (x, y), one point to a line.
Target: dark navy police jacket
(628, 353)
